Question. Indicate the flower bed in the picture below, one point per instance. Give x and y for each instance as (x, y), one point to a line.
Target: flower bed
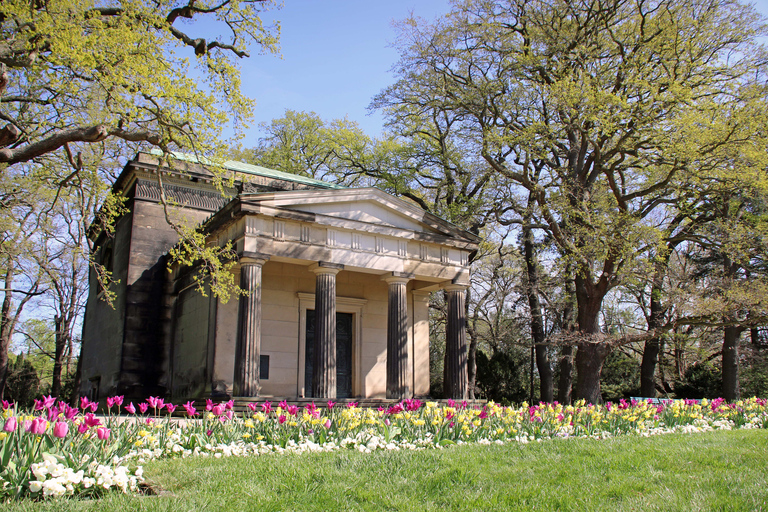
(59, 450)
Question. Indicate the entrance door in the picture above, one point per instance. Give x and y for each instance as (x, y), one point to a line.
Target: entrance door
(343, 354)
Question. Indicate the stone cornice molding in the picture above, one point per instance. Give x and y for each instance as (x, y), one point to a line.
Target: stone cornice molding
(187, 197)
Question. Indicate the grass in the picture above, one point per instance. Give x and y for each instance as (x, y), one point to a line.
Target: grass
(724, 470)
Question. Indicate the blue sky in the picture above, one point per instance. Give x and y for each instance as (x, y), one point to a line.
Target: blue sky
(337, 56)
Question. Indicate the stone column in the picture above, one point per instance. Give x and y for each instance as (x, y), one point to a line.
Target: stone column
(248, 344)
(324, 363)
(456, 344)
(397, 337)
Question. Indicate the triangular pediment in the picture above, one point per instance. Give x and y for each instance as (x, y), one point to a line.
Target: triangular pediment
(368, 205)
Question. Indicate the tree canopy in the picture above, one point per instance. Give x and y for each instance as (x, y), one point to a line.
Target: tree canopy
(82, 71)
(604, 111)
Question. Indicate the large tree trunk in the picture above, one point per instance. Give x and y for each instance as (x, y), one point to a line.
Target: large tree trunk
(6, 328)
(592, 351)
(655, 344)
(543, 363)
(565, 384)
(58, 357)
(731, 390)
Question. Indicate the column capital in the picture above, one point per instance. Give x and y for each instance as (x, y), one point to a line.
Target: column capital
(455, 287)
(252, 261)
(397, 277)
(257, 258)
(323, 267)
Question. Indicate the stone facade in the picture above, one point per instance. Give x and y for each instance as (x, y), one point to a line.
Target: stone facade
(338, 285)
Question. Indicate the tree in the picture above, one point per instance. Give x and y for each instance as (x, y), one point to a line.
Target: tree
(599, 110)
(78, 72)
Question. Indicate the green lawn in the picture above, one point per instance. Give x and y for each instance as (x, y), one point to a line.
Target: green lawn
(709, 471)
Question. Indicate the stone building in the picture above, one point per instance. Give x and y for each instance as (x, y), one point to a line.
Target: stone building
(338, 283)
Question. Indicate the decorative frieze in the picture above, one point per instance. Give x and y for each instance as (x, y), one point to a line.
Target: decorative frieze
(306, 231)
(331, 238)
(184, 196)
(278, 230)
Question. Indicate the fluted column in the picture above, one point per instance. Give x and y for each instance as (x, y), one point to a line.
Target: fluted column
(456, 344)
(324, 363)
(248, 344)
(397, 337)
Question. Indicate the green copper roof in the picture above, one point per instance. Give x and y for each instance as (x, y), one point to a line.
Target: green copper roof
(252, 169)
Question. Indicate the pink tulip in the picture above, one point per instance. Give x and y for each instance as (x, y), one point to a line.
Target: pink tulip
(130, 408)
(327, 424)
(119, 400)
(48, 401)
(266, 407)
(103, 433)
(38, 426)
(252, 406)
(110, 402)
(93, 406)
(91, 420)
(170, 408)
(7, 404)
(82, 428)
(60, 429)
(10, 424)
(190, 408)
(230, 414)
(281, 419)
(331, 404)
(84, 402)
(208, 404)
(218, 409)
(143, 407)
(230, 405)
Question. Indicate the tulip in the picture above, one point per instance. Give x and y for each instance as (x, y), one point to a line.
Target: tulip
(84, 402)
(208, 404)
(331, 404)
(218, 409)
(103, 433)
(10, 424)
(38, 426)
(7, 404)
(281, 419)
(327, 424)
(130, 408)
(82, 428)
(190, 408)
(230, 405)
(60, 429)
(170, 408)
(91, 420)
(252, 406)
(48, 401)
(143, 407)
(266, 407)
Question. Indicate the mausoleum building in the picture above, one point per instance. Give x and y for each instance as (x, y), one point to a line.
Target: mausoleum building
(337, 284)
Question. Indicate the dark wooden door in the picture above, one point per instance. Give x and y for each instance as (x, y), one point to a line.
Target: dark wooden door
(343, 354)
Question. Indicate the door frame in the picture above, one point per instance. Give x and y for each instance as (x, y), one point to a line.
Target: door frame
(343, 305)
